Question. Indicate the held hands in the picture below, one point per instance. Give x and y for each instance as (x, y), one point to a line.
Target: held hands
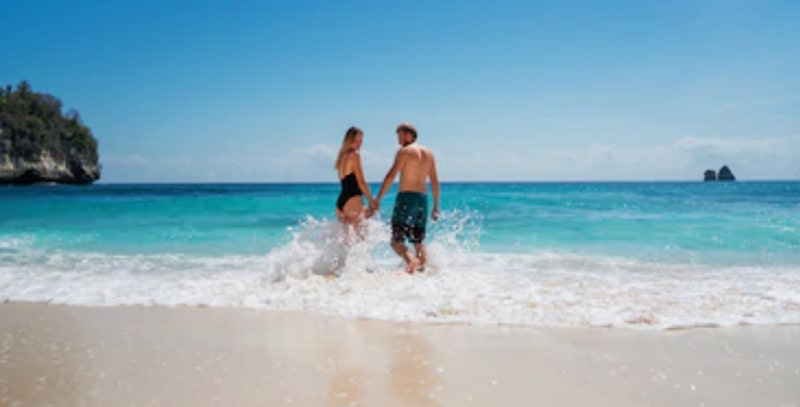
(374, 205)
(371, 209)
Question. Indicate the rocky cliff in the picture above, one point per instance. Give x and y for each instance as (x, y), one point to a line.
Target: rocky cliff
(39, 143)
(46, 169)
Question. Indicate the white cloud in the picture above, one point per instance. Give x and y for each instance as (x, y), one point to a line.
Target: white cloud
(683, 159)
(125, 168)
(322, 156)
(755, 103)
(755, 158)
(733, 146)
(376, 164)
(317, 151)
(128, 160)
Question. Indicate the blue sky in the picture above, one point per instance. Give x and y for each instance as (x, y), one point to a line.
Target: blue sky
(263, 90)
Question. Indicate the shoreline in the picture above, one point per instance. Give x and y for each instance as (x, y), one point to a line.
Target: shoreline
(434, 323)
(136, 355)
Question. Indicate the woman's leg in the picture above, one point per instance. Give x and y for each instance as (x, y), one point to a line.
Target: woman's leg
(354, 214)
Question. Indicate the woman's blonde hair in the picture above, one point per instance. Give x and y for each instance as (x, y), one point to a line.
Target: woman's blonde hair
(351, 135)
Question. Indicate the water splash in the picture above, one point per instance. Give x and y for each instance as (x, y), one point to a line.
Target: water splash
(325, 267)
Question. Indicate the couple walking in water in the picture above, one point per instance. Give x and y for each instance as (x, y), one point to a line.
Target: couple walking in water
(416, 165)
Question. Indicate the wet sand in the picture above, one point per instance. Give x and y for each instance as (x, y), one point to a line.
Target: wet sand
(138, 356)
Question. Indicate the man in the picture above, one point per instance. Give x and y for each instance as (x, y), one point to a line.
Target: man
(416, 165)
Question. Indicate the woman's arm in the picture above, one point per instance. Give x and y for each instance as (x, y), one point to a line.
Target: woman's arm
(362, 182)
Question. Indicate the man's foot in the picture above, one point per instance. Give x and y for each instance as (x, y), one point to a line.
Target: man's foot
(412, 265)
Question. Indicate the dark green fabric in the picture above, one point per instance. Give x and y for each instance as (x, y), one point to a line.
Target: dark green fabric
(410, 209)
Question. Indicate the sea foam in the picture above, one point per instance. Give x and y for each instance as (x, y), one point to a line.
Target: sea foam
(324, 267)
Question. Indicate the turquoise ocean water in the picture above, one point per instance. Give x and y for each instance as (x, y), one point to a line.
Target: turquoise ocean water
(640, 255)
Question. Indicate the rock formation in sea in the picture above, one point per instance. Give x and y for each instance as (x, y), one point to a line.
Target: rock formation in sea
(39, 143)
(710, 175)
(725, 174)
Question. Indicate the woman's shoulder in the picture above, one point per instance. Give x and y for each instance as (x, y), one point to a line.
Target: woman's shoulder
(352, 155)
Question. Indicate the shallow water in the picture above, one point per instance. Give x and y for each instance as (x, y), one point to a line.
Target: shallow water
(651, 255)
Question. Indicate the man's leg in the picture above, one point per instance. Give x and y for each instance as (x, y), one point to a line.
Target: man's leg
(401, 231)
(417, 237)
(411, 262)
(420, 249)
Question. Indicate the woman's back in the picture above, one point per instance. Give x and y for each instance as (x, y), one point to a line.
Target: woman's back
(347, 177)
(348, 165)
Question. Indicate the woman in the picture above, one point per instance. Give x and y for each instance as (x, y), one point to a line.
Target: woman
(349, 207)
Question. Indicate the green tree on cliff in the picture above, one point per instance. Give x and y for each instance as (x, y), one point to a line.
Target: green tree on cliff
(32, 123)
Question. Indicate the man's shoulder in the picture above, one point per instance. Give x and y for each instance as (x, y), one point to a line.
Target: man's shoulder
(415, 150)
(426, 150)
(415, 147)
(406, 149)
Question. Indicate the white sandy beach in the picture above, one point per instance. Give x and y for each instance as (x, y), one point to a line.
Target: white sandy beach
(136, 356)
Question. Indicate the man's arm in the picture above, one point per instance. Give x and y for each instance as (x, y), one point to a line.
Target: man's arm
(389, 179)
(435, 187)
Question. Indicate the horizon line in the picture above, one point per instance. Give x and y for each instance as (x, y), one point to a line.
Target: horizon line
(606, 181)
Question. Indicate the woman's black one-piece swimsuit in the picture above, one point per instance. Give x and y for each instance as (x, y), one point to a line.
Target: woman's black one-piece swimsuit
(349, 189)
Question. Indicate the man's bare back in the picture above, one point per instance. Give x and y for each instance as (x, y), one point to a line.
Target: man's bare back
(415, 168)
